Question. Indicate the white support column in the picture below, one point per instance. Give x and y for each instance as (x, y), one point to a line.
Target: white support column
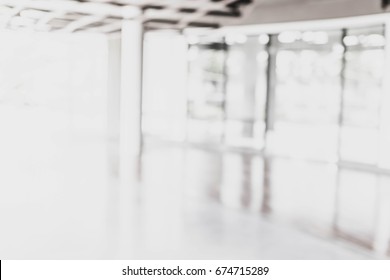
(113, 102)
(114, 87)
(131, 92)
(129, 130)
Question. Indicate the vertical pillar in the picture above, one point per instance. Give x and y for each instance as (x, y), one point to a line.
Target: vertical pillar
(130, 136)
(225, 72)
(113, 87)
(271, 88)
(131, 92)
(113, 102)
(340, 121)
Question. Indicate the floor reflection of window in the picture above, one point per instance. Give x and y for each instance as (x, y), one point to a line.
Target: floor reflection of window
(364, 69)
(357, 199)
(308, 88)
(303, 193)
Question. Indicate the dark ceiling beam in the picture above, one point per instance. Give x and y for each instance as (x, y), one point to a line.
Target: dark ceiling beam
(233, 13)
(187, 10)
(231, 7)
(153, 7)
(202, 24)
(238, 3)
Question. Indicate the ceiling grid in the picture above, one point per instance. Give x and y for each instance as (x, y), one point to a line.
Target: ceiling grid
(105, 16)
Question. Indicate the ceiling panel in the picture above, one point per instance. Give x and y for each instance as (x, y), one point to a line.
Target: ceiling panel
(106, 15)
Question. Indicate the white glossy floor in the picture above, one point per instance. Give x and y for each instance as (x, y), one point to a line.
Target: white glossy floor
(61, 198)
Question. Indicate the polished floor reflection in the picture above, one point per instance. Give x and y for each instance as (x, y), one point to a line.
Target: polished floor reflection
(61, 197)
(197, 203)
(339, 204)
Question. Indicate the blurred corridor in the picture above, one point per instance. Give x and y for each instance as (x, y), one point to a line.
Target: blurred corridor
(170, 138)
(187, 203)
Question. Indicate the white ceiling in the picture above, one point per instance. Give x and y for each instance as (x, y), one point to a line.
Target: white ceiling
(106, 15)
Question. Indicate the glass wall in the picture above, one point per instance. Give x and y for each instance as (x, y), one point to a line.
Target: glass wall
(246, 91)
(307, 94)
(364, 68)
(224, 100)
(314, 94)
(206, 91)
(311, 95)
(227, 87)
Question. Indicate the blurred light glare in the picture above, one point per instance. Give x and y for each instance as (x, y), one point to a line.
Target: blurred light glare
(351, 40)
(308, 36)
(263, 39)
(241, 39)
(337, 48)
(374, 40)
(229, 40)
(319, 38)
(289, 37)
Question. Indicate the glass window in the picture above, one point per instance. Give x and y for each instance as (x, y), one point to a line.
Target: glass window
(206, 91)
(227, 90)
(246, 91)
(307, 94)
(364, 69)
